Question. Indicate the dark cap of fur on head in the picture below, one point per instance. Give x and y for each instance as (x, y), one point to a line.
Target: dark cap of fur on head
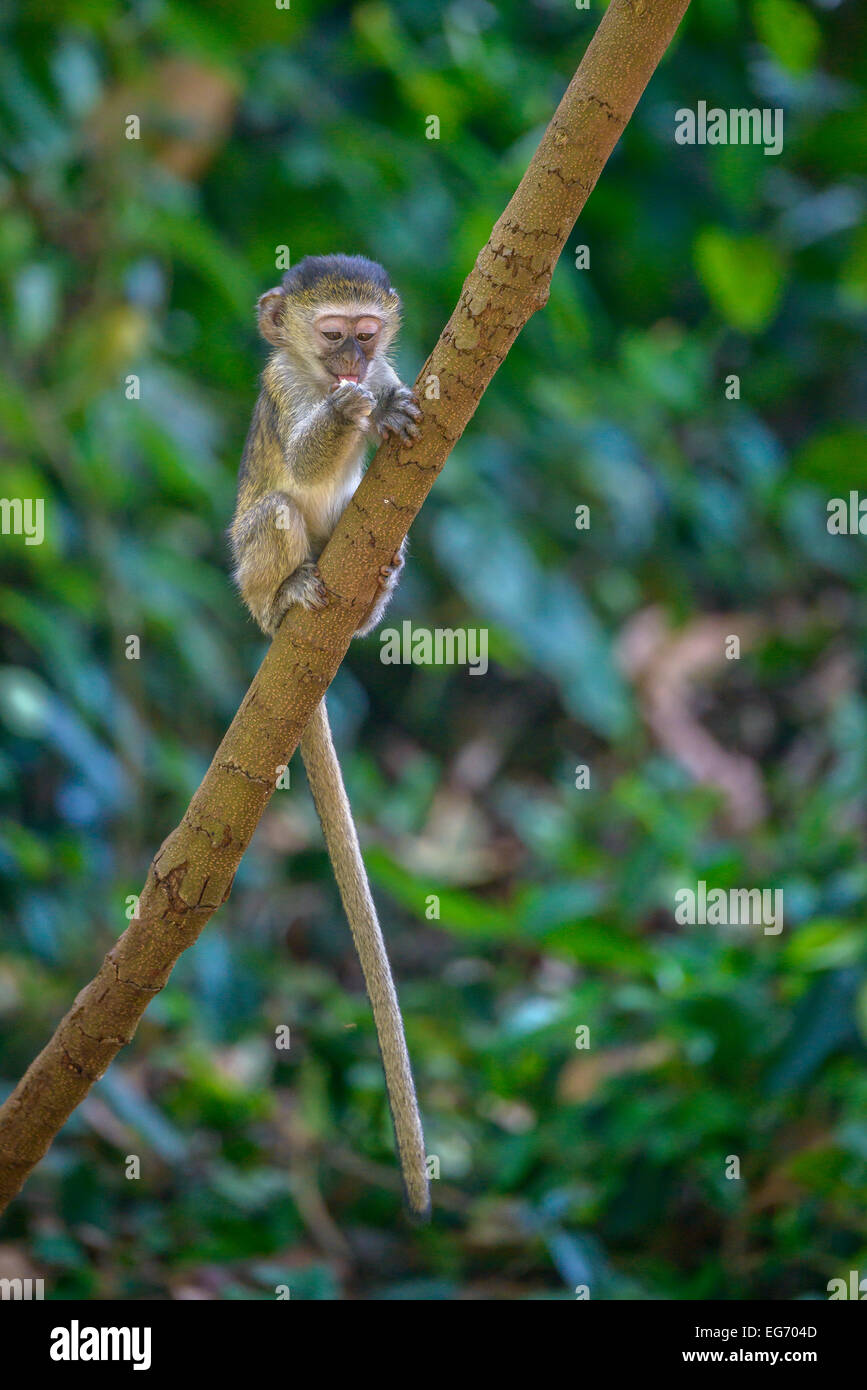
(317, 278)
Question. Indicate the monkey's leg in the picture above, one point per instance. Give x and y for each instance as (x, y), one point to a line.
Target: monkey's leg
(274, 568)
(341, 839)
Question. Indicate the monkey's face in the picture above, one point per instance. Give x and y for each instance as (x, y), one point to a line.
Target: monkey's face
(345, 345)
(332, 330)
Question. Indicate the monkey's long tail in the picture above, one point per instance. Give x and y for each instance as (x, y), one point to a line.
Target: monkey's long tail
(341, 839)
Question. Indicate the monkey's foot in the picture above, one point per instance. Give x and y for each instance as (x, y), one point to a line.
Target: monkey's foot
(388, 574)
(303, 586)
(397, 413)
(386, 583)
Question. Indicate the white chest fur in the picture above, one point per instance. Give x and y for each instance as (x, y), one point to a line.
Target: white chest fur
(323, 502)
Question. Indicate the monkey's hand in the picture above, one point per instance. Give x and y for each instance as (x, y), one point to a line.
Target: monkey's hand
(351, 403)
(397, 412)
(386, 585)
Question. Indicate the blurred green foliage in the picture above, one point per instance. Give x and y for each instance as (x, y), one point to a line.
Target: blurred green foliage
(305, 127)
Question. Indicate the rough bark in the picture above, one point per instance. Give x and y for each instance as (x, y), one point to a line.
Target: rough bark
(192, 873)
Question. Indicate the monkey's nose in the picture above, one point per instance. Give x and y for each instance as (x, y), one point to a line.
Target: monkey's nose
(351, 365)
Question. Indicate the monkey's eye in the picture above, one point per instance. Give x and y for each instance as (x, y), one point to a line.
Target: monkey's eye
(332, 337)
(364, 337)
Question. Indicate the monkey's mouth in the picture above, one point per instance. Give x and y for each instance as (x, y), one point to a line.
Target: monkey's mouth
(356, 376)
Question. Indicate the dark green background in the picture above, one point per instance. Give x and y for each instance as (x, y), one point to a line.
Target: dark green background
(306, 128)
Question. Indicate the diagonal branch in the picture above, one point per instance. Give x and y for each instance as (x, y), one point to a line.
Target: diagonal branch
(192, 873)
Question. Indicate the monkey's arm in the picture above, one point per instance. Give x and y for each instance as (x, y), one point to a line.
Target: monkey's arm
(326, 438)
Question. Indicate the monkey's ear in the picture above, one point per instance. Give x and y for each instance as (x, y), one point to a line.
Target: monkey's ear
(270, 312)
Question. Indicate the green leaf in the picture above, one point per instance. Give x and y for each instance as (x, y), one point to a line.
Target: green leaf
(789, 31)
(826, 944)
(743, 276)
(834, 459)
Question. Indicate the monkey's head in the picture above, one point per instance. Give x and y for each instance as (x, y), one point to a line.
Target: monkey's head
(331, 315)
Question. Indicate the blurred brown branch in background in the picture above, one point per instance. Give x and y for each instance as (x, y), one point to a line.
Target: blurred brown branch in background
(666, 666)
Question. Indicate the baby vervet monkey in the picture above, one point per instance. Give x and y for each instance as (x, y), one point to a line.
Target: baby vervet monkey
(328, 388)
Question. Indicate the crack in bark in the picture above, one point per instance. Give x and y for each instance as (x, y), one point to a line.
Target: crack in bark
(126, 984)
(556, 173)
(107, 1037)
(242, 772)
(225, 839)
(70, 1064)
(170, 883)
(605, 106)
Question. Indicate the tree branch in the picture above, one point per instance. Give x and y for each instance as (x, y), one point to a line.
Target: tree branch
(192, 873)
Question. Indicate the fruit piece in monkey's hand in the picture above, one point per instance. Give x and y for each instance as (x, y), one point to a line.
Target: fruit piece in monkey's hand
(398, 412)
